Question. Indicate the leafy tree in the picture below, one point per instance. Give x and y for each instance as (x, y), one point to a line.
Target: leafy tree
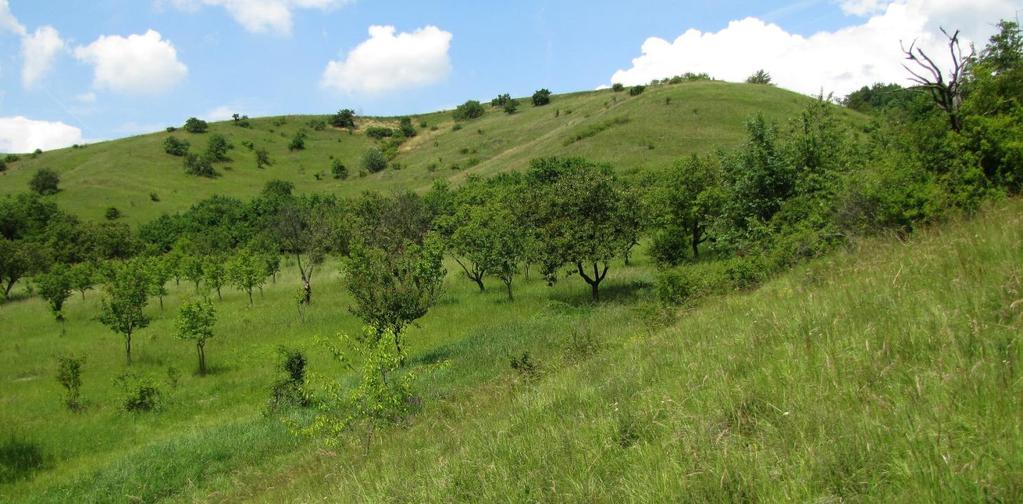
(374, 161)
(309, 231)
(247, 271)
(541, 97)
(191, 267)
(876, 97)
(262, 158)
(216, 150)
(18, 259)
(82, 277)
(126, 290)
(55, 287)
(344, 118)
(45, 182)
(618, 87)
(471, 109)
(278, 189)
(379, 132)
(501, 100)
(195, 323)
(406, 127)
(759, 77)
(636, 90)
(214, 274)
(392, 289)
(338, 170)
(159, 270)
(577, 209)
(511, 106)
(69, 375)
(199, 166)
(297, 142)
(175, 147)
(194, 125)
(689, 201)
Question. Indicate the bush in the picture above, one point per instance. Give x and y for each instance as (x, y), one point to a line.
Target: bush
(344, 118)
(618, 87)
(262, 158)
(406, 127)
(3, 165)
(471, 109)
(636, 90)
(69, 375)
(217, 149)
(542, 97)
(678, 286)
(140, 393)
(45, 181)
(194, 125)
(746, 272)
(338, 170)
(154, 197)
(374, 161)
(112, 213)
(297, 142)
(175, 147)
(379, 133)
(511, 107)
(199, 166)
(760, 77)
(289, 390)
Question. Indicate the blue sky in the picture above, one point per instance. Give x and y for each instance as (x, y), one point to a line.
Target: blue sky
(74, 70)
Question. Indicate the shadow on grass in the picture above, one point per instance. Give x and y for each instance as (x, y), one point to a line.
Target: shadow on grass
(623, 293)
(19, 459)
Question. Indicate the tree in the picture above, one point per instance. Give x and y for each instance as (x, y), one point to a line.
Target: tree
(511, 106)
(214, 274)
(946, 90)
(406, 127)
(126, 290)
(471, 109)
(199, 166)
(309, 230)
(541, 97)
(392, 289)
(195, 323)
(69, 375)
(55, 287)
(159, 271)
(759, 77)
(45, 182)
(577, 210)
(618, 87)
(216, 149)
(82, 277)
(338, 170)
(194, 125)
(191, 267)
(374, 161)
(297, 142)
(262, 158)
(247, 271)
(175, 147)
(19, 258)
(344, 118)
(689, 200)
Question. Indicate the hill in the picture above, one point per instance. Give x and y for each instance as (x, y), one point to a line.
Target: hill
(634, 133)
(858, 376)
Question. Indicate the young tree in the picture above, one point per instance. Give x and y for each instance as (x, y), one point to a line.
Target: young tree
(123, 306)
(338, 170)
(247, 271)
(18, 259)
(200, 166)
(309, 230)
(55, 287)
(344, 118)
(759, 77)
(471, 109)
(216, 150)
(175, 147)
(690, 199)
(193, 125)
(578, 211)
(297, 142)
(191, 267)
(262, 158)
(159, 271)
(542, 97)
(393, 289)
(69, 375)
(82, 277)
(44, 182)
(214, 274)
(195, 323)
(406, 127)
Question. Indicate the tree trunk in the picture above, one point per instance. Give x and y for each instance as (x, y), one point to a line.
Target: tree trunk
(127, 347)
(479, 282)
(219, 295)
(595, 291)
(250, 297)
(508, 284)
(594, 281)
(161, 302)
(10, 285)
(202, 358)
(696, 241)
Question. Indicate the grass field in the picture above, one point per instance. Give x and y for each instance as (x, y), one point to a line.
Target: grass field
(635, 134)
(887, 372)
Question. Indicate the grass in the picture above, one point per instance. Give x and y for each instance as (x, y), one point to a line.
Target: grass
(701, 117)
(885, 372)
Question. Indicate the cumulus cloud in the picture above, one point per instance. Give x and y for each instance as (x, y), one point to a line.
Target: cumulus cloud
(837, 61)
(390, 61)
(136, 64)
(20, 134)
(221, 113)
(8, 22)
(39, 50)
(262, 16)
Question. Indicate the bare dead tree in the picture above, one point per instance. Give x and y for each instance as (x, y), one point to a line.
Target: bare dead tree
(946, 89)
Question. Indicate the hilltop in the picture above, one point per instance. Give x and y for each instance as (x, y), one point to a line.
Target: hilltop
(633, 133)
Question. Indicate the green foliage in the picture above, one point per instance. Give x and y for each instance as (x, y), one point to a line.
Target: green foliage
(297, 142)
(199, 166)
(471, 109)
(406, 127)
(262, 158)
(595, 129)
(247, 271)
(618, 87)
(759, 77)
(45, 181)
(877, 97)
(541, 97)
(216, 150)
(69, 375)
(55, 287)
(159, 271)
(636, 90)
(374, 161)
(82, 277)
(338, 170)
(214, 274)
(379, 132)
(194, 125)
(687, 203)
(112, 213)
(175, 147)
(289, 391)
(510, 107)
(195, 323)
(126, 294)
(344, 118)
(141, 393)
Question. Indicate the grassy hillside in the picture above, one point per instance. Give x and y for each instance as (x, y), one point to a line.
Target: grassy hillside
(634, 133)
(887, 372)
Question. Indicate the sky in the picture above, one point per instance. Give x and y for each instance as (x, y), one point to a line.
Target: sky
(80, 71)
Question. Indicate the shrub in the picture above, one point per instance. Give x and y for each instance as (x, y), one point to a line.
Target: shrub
(155, 198)
(636, 90)
(374, 161)
(618, 87)
(297, 142)
(542, 97)
(140, 393)
(36, 153)
(760, 77)
(525, 366)
(678, 286)
(216, 150)
(199, 166)
(194, 125)
(406, 127)
(171, 129)
(379, 133)
(11, 158)
(344, 118)
(471, 109)
(746, 272)
(45, 181)
(511, 107)
(175, 147)
(69, 375)
(112, 213)
(338, 170)
(262, 158)
(289, 390)
(3, 165)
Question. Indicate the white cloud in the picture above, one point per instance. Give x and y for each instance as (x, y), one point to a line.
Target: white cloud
(863, 7)
(262, 16)
(87, 98)
(389, 62)
(838, 61)
(221, 113)
(136, 64)
(39, 50)
(20, 134)
(8, 22)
